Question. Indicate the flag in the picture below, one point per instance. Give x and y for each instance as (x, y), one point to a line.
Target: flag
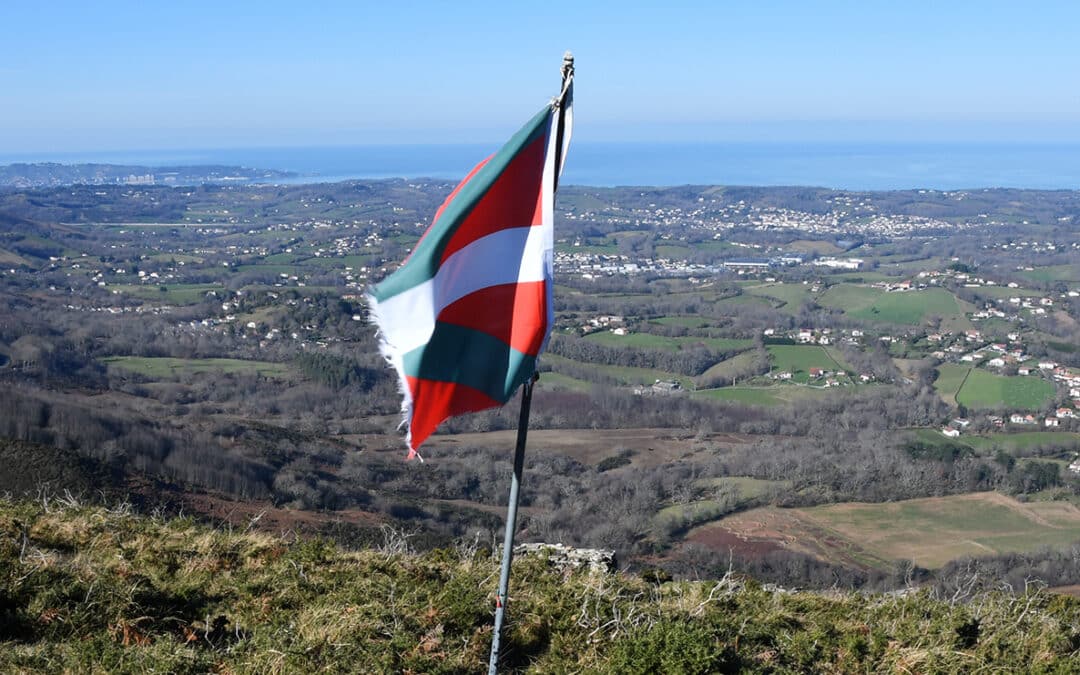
(464, 319)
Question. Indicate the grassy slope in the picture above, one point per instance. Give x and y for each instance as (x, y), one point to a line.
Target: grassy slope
(986, 390)
(181, 294)
(950, 377)
(874, 304)
(729, 367)
(650, 341)
(87, 590)
(168, 367)
(936, 530)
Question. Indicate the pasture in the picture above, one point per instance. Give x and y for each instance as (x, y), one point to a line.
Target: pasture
(930, 531)
(791, 295)
(625, 375)
(650, 341)
(166, 368)
(908, 307)
(770, 395)
(987, 390)
(177, 294)
(799, 359)
(1024, 441)
(935, 530)
(949, 380)
(1051, 273)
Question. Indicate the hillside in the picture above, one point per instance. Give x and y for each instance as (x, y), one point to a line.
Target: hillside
(85, 588)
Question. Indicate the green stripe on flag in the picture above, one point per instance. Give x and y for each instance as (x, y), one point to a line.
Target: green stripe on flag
(424, 261)
(472, 358)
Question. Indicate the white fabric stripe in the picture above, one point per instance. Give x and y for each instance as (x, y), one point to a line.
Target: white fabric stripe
(510, 256)
(547, 218)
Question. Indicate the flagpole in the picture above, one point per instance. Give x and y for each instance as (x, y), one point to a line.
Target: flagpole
(523, 422)
(511, 523)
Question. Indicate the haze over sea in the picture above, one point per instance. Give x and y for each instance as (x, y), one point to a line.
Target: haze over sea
(841, 165)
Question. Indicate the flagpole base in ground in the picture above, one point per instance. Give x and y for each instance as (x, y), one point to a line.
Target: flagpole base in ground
(511, 524)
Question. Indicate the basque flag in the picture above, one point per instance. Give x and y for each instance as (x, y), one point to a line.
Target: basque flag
(464, 319)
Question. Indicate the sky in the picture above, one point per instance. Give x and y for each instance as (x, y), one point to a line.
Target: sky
(89, 76)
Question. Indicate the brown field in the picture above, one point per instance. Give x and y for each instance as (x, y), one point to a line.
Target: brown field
(929, 531)
(1073, 590)
(651, 447)
(771, 528)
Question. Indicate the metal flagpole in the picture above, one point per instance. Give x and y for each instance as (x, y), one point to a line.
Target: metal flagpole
(523, 429)
(511, 524)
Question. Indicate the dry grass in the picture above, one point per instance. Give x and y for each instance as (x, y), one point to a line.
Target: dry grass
(94, 590)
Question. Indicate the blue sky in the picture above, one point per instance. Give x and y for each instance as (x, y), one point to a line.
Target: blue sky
(77, 76)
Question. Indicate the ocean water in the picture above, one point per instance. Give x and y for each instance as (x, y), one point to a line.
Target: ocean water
(848, 165)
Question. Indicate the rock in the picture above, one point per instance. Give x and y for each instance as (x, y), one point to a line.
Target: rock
(568, 557)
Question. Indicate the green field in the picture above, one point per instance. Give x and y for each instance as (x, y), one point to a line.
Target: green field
(684, 321)
(729, 368)
(764, 396)
(799, 359)
(950, 377)
(1024, 440)
(179, 294)
(767, 396)
(934, 531)
(849, 297)
(649, 341)
(626, 375)
(169, 368)
(875, 304)
(733, 304)
(986, 390)
(792, 295)
(747, 487)
(998, 292)
(911, 307)
(690, 514)
(1052, 273)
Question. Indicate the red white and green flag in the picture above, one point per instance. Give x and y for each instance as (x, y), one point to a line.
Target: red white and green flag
(464, 319)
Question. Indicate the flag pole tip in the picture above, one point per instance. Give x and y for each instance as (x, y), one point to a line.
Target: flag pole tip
(567, 64)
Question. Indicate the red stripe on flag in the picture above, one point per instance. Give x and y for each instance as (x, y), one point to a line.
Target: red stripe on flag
(514, 313)
(513, 200)
(446, 202)
(435, 401)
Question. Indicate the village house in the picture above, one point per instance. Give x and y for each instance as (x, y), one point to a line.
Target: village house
(1075, 466)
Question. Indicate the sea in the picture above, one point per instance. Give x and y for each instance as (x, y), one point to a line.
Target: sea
(846, 165)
